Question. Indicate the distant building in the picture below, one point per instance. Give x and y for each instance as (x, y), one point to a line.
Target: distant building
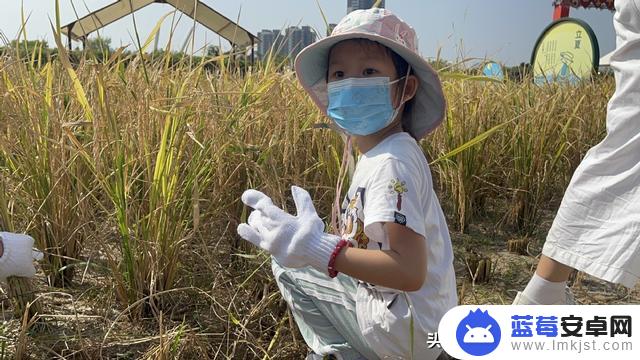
(330, 29)
(308, 37)
(361, 4)
(265, 42)
(294, 41)
(288, 44)
(279, 43)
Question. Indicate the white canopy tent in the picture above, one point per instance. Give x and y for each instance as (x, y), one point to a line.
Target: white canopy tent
(195, 9)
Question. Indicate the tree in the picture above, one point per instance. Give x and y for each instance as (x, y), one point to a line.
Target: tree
(100, 47)
(213, 50)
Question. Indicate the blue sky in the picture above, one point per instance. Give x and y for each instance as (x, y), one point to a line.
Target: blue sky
(502, 30)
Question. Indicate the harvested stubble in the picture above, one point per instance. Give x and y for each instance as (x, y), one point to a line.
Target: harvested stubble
(518, 246)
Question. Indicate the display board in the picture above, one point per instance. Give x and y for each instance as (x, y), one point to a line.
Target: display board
(493, 70)
(567, 52)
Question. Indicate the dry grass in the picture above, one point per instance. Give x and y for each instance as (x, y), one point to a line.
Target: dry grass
(129, 178)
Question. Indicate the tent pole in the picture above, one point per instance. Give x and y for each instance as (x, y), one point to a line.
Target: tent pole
(252, 51)
(69, 36)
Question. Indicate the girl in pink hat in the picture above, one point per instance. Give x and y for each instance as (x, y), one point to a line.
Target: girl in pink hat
(380, 286)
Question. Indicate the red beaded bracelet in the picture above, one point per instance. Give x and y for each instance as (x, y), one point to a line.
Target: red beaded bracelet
(334, 255)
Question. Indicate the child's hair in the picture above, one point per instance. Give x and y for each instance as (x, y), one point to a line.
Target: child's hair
(401, 66)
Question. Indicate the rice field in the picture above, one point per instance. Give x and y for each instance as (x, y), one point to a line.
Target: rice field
(128, 173)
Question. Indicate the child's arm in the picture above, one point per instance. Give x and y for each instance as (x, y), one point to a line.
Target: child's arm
(297, 241)
(404, 267)
(394, 208)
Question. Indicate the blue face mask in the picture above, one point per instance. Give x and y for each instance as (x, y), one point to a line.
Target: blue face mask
(361, 106)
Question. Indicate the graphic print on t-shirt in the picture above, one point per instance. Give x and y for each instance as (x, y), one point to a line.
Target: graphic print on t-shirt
(397, 187)
(352, 226)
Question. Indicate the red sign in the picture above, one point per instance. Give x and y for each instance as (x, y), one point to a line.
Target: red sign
(600, 4)
(561, 7)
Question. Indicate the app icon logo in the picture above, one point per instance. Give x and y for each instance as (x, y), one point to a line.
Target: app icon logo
(478, 333)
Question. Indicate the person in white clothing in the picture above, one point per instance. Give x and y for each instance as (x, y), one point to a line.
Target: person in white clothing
(597, 227)
(377, 288)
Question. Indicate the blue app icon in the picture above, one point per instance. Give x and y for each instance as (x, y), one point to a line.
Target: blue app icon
(478, 333)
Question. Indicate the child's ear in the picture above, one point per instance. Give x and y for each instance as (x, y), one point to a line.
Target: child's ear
(411, 88)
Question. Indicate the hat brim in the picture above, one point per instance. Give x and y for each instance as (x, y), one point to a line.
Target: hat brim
(428, 108)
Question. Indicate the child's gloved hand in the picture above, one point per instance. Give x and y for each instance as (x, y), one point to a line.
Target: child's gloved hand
(295, 241)
(17, 256)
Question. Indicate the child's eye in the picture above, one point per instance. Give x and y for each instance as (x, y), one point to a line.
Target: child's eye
(338, 74)
(369, 71)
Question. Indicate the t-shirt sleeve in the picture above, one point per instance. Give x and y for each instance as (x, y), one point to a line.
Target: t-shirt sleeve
(396, 194)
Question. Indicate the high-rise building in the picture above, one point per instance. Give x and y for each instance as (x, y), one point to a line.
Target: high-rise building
(298, 39)
(265, 42)
(279, 43)
(361, 4)
(288, 43)
(308, 36)
(294, 41)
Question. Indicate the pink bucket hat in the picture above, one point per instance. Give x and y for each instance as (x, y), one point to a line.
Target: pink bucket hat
(380, 25)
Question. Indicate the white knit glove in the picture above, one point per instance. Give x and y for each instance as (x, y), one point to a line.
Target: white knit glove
(17, 257)
(295, 241)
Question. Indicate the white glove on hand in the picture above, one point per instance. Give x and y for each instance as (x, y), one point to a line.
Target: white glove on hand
(295, 241)
(17, 257)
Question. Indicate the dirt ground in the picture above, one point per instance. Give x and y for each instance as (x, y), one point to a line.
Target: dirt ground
(227, 306)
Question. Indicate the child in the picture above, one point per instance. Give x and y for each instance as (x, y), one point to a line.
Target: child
(377, 290)
(597, 228)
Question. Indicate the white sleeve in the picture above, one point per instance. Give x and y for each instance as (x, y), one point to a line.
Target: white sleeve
(396, 193)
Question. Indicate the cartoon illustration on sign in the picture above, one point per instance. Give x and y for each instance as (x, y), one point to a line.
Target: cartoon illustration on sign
(566, 72)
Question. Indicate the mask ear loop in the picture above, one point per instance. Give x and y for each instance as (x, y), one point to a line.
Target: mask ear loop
(335, 209)
(404, 89)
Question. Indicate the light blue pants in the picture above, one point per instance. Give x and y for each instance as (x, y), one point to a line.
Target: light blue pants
(324, 309)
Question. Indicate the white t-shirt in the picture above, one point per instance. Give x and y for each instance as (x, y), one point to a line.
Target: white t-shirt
(392, 183)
